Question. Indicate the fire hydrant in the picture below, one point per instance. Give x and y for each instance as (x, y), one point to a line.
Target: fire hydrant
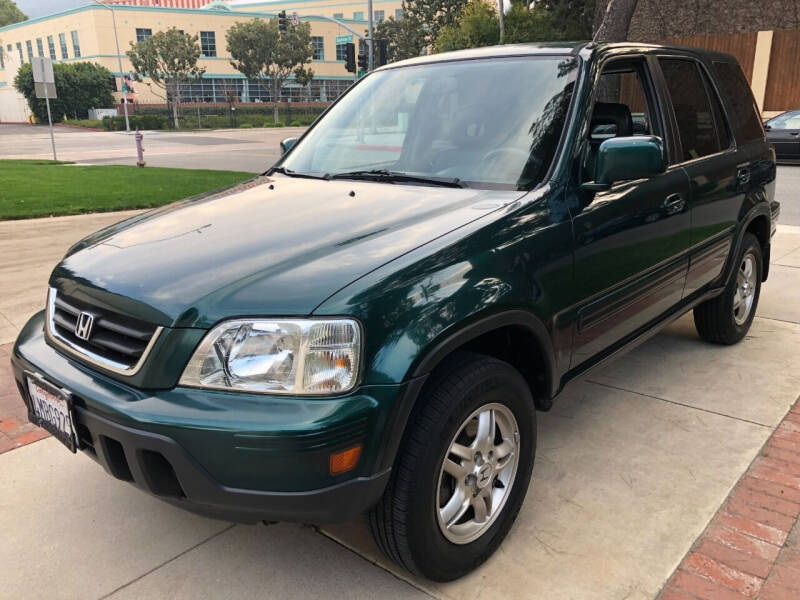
(139, 149)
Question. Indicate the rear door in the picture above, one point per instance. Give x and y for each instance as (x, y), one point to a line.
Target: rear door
(631, 241)
(718, 171)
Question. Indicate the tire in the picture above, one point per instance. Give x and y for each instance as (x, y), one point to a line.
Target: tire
(406, 522)
(726, 318)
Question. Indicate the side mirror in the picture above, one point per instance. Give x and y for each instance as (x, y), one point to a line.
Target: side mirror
(625, 158)
(767, 127)
(287, 144)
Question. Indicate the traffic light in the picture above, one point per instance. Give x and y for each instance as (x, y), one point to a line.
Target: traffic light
(282, 21)
(350, 57)
(363, 61)
(381, 53)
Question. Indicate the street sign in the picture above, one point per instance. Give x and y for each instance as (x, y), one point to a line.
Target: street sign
(42, 70)
(295, 18)
(44, 83)
(45, 90)
(344, 39)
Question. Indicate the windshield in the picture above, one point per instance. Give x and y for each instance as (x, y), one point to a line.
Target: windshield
(491, 123)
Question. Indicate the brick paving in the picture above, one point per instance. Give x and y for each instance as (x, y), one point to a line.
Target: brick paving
(15, 430)
(751, 548)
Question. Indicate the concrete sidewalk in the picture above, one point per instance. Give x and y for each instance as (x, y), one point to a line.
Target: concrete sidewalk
(633, 463)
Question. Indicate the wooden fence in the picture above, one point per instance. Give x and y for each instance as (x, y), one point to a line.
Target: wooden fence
(769, 59)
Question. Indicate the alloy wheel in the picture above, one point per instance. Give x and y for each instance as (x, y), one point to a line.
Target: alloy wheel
(477, 473)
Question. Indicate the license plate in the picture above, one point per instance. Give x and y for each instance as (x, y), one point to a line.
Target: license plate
(51, 409)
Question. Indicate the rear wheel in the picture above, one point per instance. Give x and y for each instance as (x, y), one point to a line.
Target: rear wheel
(727, 318)
(462, 471)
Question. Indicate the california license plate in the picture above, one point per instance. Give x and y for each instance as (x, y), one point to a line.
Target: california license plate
(51, 408)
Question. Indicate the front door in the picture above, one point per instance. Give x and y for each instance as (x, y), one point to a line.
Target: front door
(631, 241)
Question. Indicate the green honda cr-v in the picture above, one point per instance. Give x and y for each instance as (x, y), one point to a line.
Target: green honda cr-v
(370, 325)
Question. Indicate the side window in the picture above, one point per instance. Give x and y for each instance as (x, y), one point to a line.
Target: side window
(696, 116)
(621, 90)
(734, 86)
(622, 108)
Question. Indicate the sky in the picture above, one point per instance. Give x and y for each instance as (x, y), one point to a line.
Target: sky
(38, 8)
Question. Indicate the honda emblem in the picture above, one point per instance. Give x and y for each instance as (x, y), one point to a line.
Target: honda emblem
(83, 328)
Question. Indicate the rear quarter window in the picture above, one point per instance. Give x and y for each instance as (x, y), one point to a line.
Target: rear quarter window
(739, 100)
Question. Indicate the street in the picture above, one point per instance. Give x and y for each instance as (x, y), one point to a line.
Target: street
(234, 150)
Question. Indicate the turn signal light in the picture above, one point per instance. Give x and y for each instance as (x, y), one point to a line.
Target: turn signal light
(345, 460)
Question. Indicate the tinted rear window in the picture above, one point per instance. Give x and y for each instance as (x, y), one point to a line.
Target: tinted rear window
(741, 106)
(694, 110)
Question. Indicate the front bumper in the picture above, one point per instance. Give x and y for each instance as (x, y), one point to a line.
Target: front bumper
(239, 457)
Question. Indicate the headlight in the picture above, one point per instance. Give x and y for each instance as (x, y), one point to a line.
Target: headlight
(278, 356)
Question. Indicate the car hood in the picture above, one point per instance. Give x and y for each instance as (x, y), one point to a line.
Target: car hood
(270, 246)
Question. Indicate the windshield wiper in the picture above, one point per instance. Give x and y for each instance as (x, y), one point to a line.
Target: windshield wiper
(397, 176)
(290, 173)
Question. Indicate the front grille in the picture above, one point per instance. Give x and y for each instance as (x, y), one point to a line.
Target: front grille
(117, 342)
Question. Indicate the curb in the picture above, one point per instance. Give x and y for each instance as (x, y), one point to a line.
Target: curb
(748, 549)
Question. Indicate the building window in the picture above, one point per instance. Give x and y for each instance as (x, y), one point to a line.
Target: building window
(338, 15)
(379, 16)
(40, 46)
(2, 59)
(62, 41)
(358, 16)
(76, 46)
(142, 34)
(19, 49)
(398, 13)
(29, 48)
(319, 48)
(208, 43)
(341, 51)
(51, 47)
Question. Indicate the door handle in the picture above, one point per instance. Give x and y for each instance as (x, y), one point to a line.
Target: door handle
(743, 175)
(674, 203)
(794, 133)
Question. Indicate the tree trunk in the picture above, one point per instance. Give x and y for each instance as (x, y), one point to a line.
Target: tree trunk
(613, 27)
(275, 99)
(175, 99)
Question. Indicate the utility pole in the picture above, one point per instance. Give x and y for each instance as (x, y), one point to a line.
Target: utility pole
(370, 53)
(119, 64)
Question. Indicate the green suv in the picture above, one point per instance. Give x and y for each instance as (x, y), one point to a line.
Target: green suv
(370, 326)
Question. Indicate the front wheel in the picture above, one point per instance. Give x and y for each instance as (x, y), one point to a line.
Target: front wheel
(726, 318)
(462, 472)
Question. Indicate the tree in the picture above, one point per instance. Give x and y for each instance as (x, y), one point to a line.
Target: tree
(545, 21)
(10, 13)
(406, 39)
(478, 26)
(80, 86)
(261, 51)
(419, 26)
(430, 16)
(169, 58)
(613, 21)
(549, 21)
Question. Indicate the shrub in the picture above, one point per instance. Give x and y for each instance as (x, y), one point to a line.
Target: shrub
(90, 123)
(80, 86)
(246, 126)
(295, 124)
(136, 121)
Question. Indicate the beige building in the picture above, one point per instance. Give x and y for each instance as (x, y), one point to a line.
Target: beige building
(87, 34)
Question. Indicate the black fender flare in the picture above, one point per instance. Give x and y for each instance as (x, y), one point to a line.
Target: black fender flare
(434, 354)
(759, 210)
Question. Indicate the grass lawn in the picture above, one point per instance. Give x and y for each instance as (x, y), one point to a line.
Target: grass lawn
(37, 188)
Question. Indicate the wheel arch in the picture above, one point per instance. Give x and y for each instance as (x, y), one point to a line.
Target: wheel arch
(525, 329)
